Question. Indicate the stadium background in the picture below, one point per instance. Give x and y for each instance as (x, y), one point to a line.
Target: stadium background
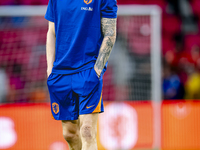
(25, 119)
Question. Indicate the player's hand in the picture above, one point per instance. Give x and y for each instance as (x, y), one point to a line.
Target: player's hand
(48, 72)
(97, 71)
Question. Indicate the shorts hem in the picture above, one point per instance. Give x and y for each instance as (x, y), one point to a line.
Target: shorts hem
(67, 118)
(86, 113)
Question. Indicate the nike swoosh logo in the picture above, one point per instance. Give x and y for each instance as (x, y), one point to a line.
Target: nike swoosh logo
(90, 106)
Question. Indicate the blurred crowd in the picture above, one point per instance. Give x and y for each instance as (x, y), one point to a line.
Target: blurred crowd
(180, 47)
(24, 2)
(180, 54)
(181, 50)
(23, 59)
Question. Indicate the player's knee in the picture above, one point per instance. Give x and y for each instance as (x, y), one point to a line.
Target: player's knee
(70, 136)
(87, 132)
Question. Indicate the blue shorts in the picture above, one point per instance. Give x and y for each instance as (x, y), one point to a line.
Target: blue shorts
(75, 94)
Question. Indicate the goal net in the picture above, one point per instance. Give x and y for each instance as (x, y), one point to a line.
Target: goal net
(134, 65)
(134, 70)
(135, 61)
(22, 53)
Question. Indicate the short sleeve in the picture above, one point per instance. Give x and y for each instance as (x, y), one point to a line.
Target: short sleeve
(109, 8)
(49, 13)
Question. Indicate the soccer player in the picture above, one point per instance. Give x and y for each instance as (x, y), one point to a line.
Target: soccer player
(80, 38)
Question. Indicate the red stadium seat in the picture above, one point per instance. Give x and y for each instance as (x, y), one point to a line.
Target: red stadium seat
(196, 7)
(171, 24)
(6, 2)
(129, 2)
(191, 40)
(32, 2)
(161, 3)
(167, 45)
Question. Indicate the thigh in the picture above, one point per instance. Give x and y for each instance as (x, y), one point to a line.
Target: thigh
(89, 120)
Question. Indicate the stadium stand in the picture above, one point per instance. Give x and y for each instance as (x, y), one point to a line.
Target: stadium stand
(182, 53)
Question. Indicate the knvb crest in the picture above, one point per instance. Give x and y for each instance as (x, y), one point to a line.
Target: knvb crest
(87, 1)
(55, 108)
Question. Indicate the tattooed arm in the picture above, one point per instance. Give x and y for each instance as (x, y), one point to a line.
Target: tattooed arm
(108, 26)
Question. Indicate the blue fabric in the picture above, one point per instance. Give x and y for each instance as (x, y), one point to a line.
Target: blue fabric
(78, 32)
(75, 94)
(172, 87)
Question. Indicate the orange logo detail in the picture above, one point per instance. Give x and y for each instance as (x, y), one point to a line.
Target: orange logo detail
(87, 1)
(89, 106)
(55, 108)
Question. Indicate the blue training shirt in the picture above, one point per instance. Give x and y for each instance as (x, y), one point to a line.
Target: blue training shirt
(78, 32)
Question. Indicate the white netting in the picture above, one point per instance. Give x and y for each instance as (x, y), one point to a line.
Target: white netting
(22, 56)
(130, 60)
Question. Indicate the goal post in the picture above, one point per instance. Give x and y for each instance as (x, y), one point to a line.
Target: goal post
(138, 42)
(124, 10)
(155, 55)
(155, 14)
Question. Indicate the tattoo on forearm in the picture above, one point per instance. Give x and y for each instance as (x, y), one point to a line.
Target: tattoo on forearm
(109, 31)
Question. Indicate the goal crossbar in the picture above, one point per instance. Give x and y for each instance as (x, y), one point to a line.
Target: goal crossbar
(124, 10)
